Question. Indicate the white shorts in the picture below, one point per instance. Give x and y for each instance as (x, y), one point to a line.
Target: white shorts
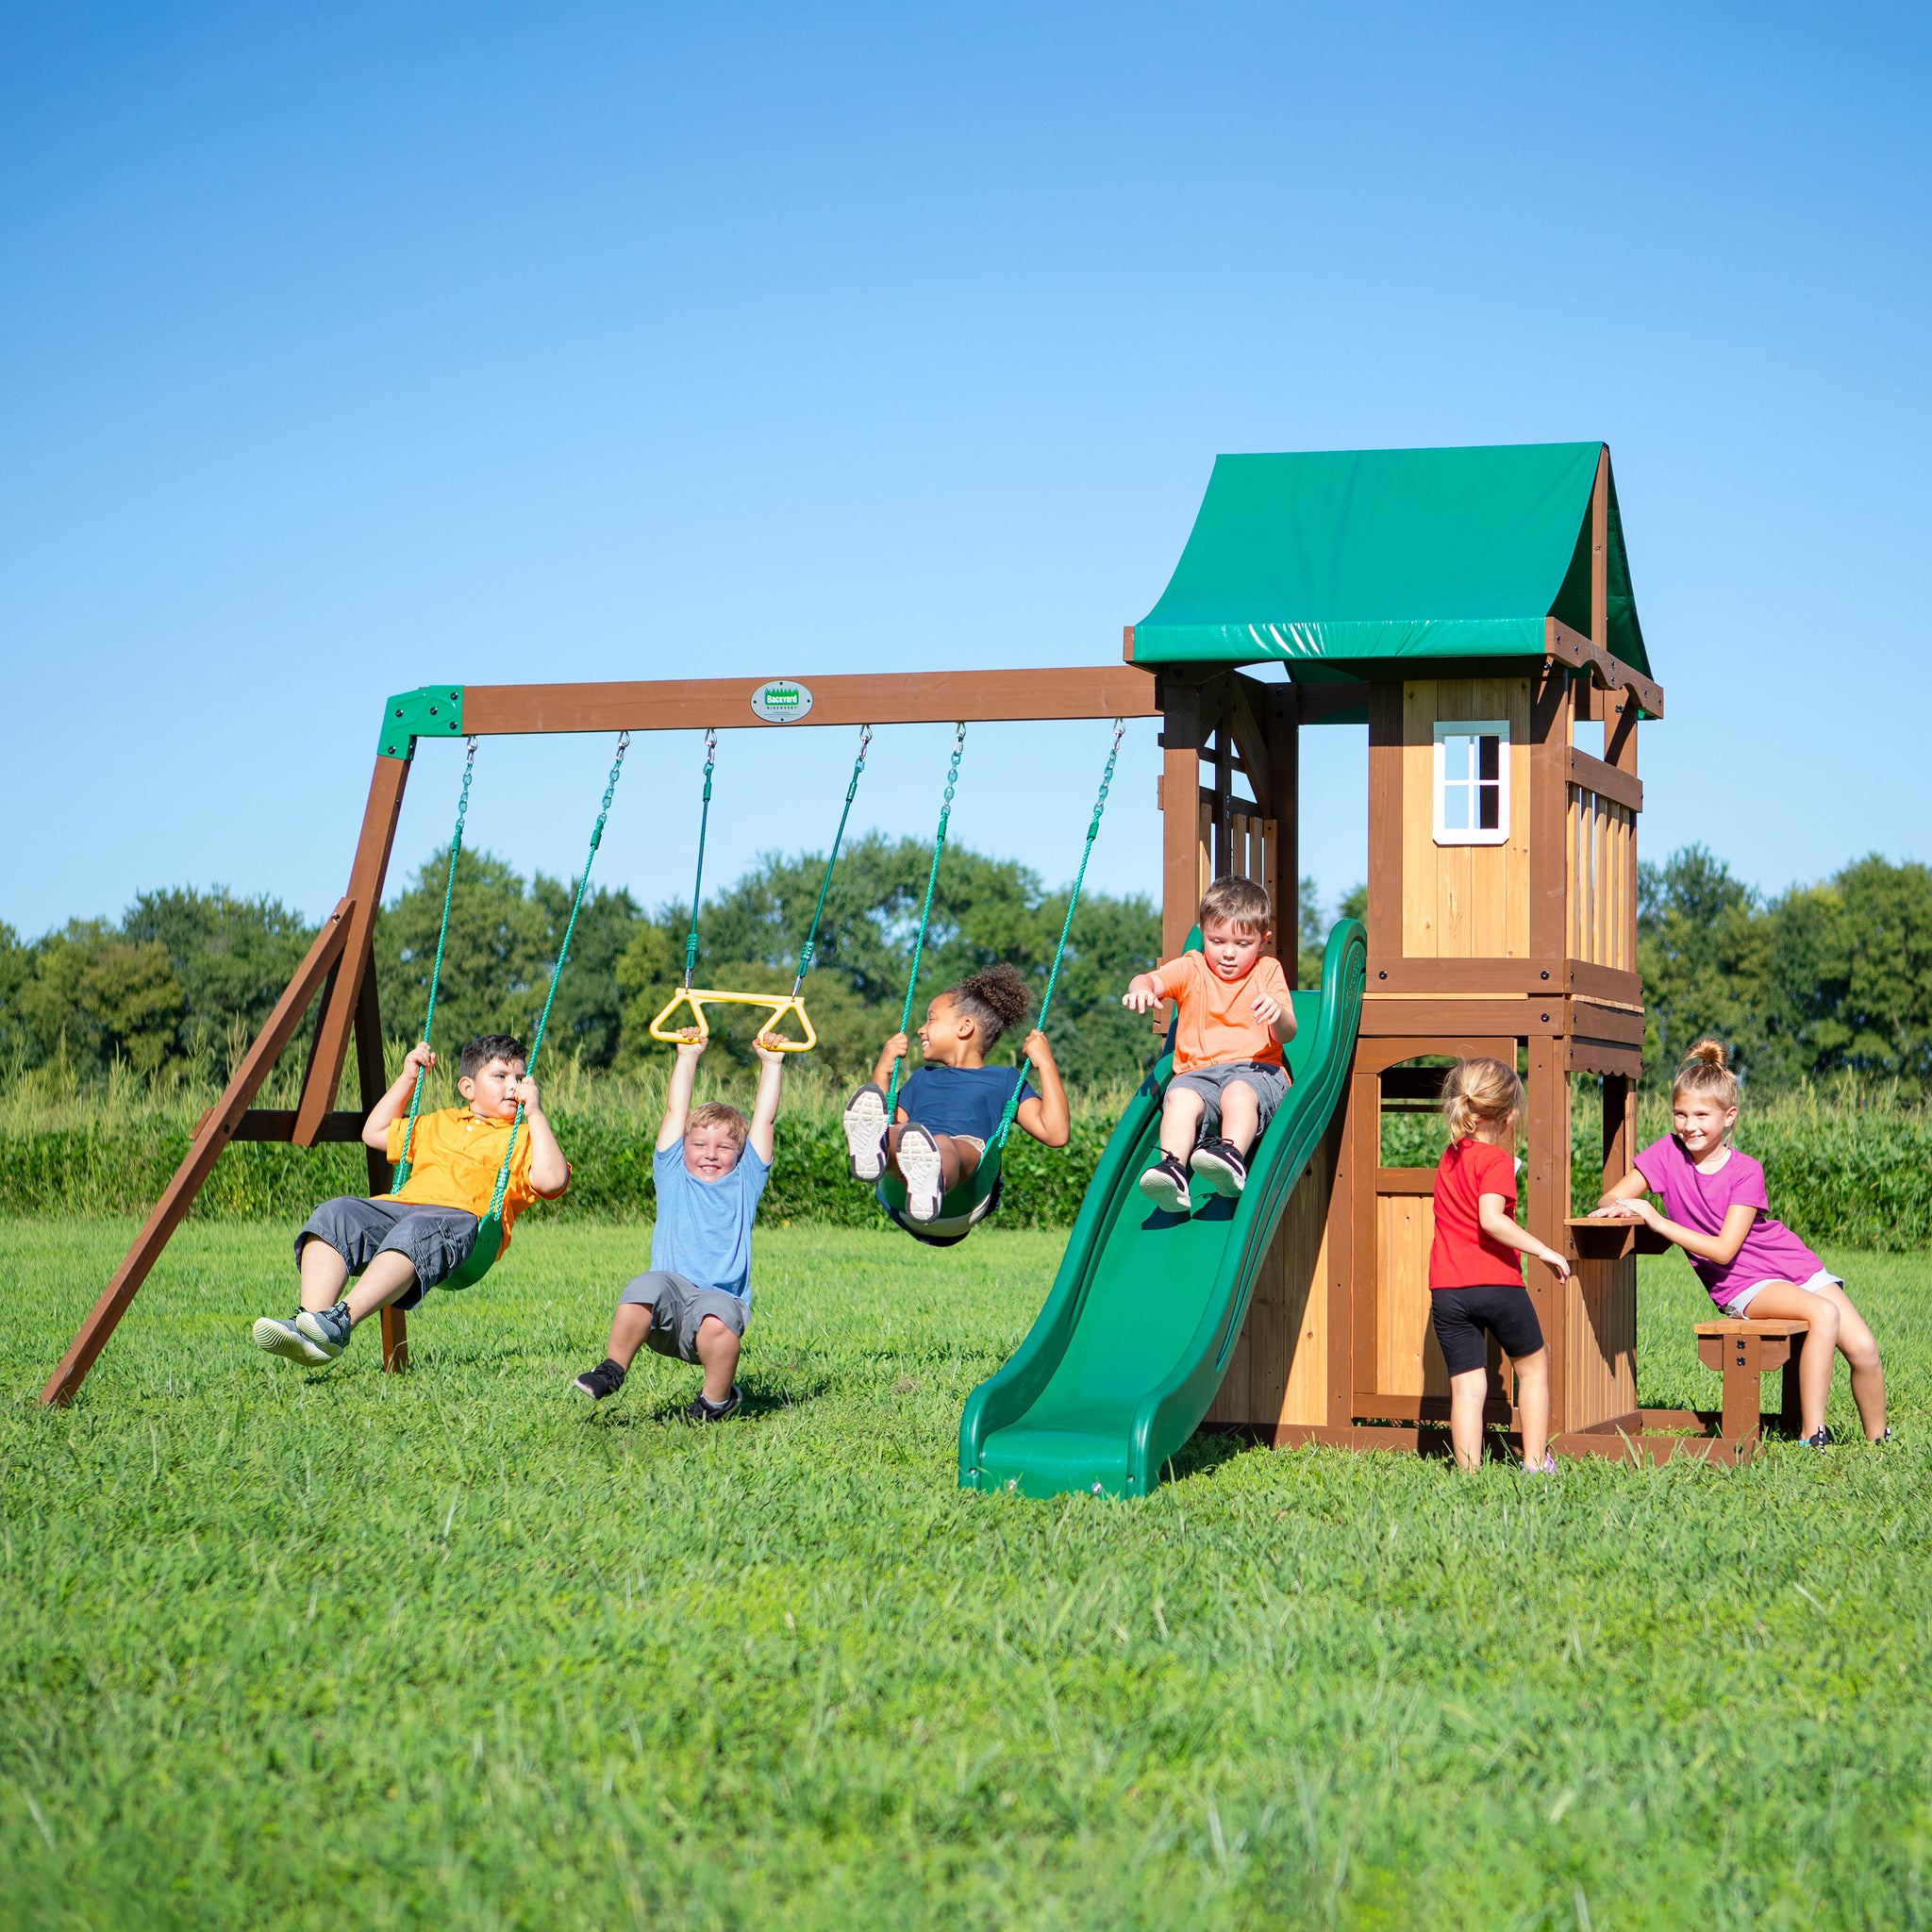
(1738, 1304)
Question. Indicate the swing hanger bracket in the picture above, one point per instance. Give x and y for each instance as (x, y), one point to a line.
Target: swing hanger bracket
(431, 710)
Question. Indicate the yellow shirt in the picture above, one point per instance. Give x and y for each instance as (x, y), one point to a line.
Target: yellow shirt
(1218, 1023)
(454, 1159)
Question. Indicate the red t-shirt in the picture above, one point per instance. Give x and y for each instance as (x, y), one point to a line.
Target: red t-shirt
(1463, 1256)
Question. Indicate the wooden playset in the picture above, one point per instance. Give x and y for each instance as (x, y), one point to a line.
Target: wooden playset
(1473, 608)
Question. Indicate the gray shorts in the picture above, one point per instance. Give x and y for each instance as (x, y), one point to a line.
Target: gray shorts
(1270, 1084)
(437, 1240)
(677, 1306)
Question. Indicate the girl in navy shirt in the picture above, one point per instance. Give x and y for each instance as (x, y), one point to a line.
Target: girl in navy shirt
(951, 1108)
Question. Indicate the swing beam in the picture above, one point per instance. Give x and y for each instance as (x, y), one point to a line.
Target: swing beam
(338, 969)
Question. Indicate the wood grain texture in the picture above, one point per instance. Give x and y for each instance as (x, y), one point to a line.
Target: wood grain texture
(1463, 902)
(1598, 1366)
(1409, 1360)
(203, 1151)
(895, 698)
(367, 872)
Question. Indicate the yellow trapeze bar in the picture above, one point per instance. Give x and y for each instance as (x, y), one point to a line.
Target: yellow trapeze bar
(779, 1003)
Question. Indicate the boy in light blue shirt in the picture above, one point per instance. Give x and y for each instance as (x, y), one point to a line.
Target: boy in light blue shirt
(711, 1167)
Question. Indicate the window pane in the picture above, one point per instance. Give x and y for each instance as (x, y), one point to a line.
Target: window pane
(1456, 808)
(1491, 757)
(1455, 759)
(1489, 799)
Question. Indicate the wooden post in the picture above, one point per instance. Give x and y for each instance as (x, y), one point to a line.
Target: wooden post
(366, 875)
(1180, 813)
(1600, 552)
(372, 1080)
(1548, 1173)
(1385, 821)
(1283, 729)
(1620, 1127)
(198, 1163)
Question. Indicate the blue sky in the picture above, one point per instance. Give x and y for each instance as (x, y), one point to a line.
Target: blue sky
(345, 348)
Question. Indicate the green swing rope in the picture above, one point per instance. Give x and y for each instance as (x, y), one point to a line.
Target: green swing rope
(449, 884)
(690, 944)
(557, 972)
(804, 952)
(999, 1139)
(938, 845)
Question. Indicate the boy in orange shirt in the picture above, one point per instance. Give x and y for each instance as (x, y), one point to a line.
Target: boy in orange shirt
(1234, 1013)
(402, 1244)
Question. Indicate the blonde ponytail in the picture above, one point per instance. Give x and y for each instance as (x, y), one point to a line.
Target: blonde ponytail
(1706, 1073)
(1477, 1093)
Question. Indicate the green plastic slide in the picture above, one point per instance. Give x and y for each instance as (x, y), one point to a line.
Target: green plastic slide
(1123, 1359)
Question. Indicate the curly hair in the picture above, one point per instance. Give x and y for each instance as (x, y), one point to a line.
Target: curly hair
(994, 998)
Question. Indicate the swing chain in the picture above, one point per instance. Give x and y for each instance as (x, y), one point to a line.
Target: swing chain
(691, 943)
(939, 844)
(401, 1173)
(557, 972)
(1012, 1106)
(810, 946)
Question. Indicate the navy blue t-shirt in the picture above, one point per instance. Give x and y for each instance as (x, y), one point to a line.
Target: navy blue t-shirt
(961, 1100)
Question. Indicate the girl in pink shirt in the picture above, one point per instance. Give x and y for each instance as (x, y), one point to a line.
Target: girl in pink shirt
(1716, 1209)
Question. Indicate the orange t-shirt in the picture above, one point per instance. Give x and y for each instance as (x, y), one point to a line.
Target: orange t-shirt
(454, 1159)
(1218, 1024)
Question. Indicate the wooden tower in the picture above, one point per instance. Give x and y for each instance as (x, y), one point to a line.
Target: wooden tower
(1472, 606)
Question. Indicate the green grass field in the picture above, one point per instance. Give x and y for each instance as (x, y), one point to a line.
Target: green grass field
(281, 1648)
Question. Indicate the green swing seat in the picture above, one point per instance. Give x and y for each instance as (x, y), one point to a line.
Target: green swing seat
(488, 1245)
(963, 1208)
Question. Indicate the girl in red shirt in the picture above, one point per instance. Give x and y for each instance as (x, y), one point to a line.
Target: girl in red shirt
(1476, 1270)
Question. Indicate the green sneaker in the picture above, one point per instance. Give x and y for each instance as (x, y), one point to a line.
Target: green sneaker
(287, 1341)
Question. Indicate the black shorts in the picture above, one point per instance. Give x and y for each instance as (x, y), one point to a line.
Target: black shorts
(1463, 1315)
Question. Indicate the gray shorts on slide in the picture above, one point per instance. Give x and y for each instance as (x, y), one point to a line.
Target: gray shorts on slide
(677, 1306)
(1269, 1082)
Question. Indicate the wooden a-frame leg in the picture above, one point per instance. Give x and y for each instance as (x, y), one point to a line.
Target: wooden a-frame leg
(198, 1163)
(372, 1077)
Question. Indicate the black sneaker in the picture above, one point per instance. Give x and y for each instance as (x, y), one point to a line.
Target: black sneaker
(1821, 1441)
(703, 1412)
(1166, 1185)
(607, 1378)
(1220, 1166)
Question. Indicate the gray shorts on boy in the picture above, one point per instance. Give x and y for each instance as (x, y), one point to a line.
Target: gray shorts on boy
(437, 1241)
(1269, 1082)
(677, 1306)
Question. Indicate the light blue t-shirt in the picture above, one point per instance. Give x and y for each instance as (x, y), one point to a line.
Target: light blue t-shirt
(704, 1227)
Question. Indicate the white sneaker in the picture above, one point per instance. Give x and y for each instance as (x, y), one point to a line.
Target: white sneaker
(287, 1341)
(920, 1162)
(865, 1132)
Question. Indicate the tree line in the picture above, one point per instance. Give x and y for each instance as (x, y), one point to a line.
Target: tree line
(1822, 980)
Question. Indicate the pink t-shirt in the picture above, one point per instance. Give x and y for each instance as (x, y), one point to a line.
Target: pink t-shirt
(1771, 1252)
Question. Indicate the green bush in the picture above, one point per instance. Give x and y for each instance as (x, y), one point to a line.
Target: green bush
(1854, 1169)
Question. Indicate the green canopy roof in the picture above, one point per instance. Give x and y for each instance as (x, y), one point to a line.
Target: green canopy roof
(1348, 558)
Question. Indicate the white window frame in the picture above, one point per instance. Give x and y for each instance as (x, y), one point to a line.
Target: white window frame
(1473, 834)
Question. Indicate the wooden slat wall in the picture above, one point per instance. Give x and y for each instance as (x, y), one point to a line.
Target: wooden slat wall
(1600, 1337)
(1603, 881)
(1463, 902)
(1409, 1360)
(1278, 1373)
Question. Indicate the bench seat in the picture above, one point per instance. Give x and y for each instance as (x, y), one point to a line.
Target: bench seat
(1742, 1351)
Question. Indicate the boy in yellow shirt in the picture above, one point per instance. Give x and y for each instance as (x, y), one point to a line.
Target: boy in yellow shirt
(1234, 1013)
(402, 1244)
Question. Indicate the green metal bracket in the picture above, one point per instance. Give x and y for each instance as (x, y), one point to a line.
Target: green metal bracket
(431, 710)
